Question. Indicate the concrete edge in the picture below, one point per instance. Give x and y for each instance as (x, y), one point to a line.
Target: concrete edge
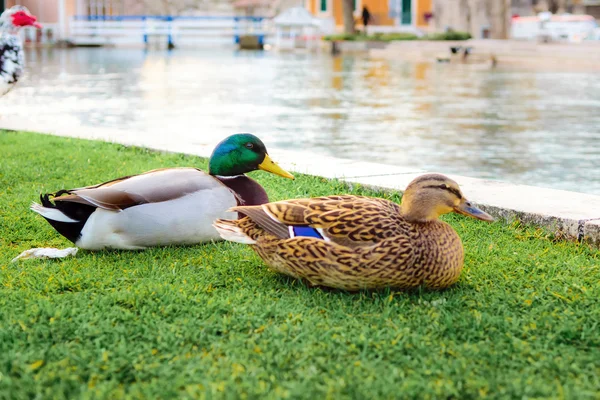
(569, 215)
(563, 227)
(591, 232)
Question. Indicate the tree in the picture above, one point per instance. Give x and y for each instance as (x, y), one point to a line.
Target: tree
(498, 13)
(348, 14)
(554, 6)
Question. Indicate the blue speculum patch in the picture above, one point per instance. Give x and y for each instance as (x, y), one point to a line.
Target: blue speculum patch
(306, 231)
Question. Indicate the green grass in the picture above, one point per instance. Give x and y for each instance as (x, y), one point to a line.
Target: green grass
(212, 321)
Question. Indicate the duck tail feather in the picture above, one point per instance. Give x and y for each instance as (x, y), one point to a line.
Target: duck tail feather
(50, 212)
(230, 231)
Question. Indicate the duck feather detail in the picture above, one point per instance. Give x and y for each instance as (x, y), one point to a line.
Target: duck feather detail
(151, 187)
(367, 221)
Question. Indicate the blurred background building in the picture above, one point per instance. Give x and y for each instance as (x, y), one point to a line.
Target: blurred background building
(492, 18)
(481, 18)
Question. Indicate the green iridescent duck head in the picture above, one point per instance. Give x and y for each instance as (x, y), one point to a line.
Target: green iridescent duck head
(242, 153)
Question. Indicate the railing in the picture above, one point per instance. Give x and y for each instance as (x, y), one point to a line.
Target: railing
(46, 35)
(178, 31)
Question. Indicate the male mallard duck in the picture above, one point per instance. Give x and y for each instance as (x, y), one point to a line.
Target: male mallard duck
(356, 242)
(164, 206)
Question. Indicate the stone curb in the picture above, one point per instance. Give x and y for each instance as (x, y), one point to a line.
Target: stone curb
(570, 215)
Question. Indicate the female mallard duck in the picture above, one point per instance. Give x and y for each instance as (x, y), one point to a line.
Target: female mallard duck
(171, 206)
(355, 242)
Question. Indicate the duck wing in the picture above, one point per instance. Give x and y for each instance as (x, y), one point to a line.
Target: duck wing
(346, 242)
(151, 187)
(353, 221)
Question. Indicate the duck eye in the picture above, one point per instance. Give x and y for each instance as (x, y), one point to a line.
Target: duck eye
(249, 145)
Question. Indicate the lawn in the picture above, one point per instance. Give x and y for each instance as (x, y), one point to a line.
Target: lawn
(211, 321)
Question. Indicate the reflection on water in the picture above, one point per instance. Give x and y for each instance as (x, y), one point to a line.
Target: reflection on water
(535, 128)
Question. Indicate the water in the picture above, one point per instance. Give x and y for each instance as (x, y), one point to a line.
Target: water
(537, 128)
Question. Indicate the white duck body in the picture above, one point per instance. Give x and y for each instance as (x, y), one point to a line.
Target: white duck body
(174, 206)
(183, 221)
(11, 61)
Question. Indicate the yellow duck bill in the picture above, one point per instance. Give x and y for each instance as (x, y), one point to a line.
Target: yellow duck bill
(271, 166)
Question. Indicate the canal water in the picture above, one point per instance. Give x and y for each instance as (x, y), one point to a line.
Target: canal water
(537, 128)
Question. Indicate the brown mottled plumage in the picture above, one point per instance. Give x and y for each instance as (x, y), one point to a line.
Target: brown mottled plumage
(355, 242)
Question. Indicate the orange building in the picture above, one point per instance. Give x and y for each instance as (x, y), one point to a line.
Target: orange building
(400, 13)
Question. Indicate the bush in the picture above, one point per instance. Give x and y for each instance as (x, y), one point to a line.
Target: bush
(452, 35)
(376, 37)
(341, 36)
(389, 37)
(394, 36)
